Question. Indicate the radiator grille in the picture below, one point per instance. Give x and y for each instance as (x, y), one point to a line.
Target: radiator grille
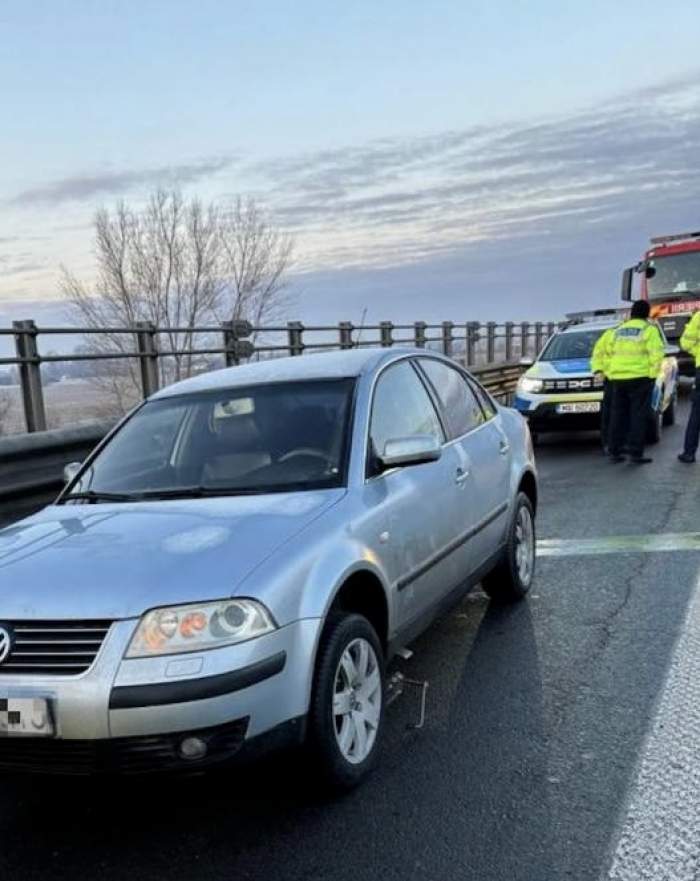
(574, 384)
(54, 648)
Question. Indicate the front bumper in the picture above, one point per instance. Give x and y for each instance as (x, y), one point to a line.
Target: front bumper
(541, 412)
(132, 715)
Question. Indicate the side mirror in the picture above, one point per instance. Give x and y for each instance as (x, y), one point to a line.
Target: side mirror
(672, 350)
(526, 361)
(626, 289)
(417, 450)
(70, 471)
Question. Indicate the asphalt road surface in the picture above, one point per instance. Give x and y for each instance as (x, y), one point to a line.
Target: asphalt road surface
(544, 737)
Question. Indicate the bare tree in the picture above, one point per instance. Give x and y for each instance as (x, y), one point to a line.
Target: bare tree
(257, 257)
(177, 264)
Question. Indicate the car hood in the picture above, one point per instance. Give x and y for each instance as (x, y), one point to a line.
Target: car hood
(112, 561)
(560, 368)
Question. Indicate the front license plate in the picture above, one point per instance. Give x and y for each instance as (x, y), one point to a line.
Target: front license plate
(580, 407)
(25, 717)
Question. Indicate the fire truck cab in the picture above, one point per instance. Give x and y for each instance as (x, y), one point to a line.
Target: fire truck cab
(669, 278)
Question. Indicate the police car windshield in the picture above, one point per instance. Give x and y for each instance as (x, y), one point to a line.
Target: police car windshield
(564, 346)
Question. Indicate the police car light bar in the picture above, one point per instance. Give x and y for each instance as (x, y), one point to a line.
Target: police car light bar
(592, 314)
(678, 237)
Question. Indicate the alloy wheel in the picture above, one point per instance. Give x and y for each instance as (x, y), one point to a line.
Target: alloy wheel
(357, 701)
(524, 546)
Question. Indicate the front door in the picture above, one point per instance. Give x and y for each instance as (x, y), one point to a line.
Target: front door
(474, 428)
(421, 503)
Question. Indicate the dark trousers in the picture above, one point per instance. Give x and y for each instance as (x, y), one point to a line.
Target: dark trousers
(631, 406)
(605, 411)
(692, 432)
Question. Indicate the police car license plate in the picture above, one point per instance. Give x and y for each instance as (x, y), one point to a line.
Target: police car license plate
(580, 407)
(25, 717)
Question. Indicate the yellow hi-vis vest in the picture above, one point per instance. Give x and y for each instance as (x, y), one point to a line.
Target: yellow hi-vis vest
(635, 351)
(690, 339)
(599, 357)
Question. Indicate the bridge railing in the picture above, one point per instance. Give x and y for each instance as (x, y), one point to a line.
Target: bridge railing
(490, 348)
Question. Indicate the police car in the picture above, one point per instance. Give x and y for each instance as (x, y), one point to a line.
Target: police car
(558, 391)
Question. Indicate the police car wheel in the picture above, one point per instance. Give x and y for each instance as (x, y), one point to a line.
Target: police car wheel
(513, 575)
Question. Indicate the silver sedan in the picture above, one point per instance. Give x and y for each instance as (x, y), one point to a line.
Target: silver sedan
(237, 562)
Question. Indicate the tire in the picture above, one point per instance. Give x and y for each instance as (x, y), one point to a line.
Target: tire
(669, 417)
(654, 427)
(334, 739)
(512, 577)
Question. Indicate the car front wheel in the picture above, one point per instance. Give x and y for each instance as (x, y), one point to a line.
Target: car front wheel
(512, 576)
(347, 710)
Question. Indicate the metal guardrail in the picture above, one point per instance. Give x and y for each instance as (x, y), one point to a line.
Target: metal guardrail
(473, 343)
(31, 466)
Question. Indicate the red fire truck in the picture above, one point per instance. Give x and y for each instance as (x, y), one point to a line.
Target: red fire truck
(669, 278)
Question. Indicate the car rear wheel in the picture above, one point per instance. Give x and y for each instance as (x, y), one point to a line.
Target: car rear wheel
(347, 710)
(670, 411)
(512, 577)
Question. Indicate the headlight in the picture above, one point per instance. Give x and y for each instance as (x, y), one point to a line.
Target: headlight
(530, 385)
(195, 628)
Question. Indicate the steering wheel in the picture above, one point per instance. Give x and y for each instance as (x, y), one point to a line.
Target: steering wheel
(305, 451)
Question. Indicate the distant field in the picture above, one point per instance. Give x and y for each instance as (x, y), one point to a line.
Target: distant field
(71, 402)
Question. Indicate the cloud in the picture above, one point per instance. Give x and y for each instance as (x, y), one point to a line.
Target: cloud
(396, 201)
(83, 187)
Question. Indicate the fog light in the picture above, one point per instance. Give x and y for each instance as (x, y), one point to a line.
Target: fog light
(193, 748)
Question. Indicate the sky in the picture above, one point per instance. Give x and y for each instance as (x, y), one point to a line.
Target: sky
(445, 160)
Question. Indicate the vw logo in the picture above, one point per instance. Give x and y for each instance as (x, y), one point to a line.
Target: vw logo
(5, 644)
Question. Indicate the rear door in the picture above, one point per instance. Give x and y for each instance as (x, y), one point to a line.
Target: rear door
(474, 428)
(422, 504)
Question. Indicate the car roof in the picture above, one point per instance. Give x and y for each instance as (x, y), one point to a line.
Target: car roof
(591, 325)
(322, 365)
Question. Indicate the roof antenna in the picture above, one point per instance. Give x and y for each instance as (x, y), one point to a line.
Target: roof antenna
(360, 328)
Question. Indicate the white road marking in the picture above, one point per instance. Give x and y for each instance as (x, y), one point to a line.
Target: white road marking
(619, 544)
(660, 837)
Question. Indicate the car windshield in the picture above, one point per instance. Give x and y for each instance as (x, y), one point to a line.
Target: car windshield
(264, 438)
(675, 274)
(571, 345)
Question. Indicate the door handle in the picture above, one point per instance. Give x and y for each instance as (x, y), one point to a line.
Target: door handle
(504, 447)
(461, 476)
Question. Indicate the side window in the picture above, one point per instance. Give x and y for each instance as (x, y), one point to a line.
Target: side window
(401, 408)
(461, 407)
(487, 404)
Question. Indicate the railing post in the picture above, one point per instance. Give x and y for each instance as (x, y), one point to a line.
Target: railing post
(236, 346)
(447, 339)
(345, 334)
(386, 337)
(147, 347)
(490, 342)
(524, 336)
(230, 339)
(551, 325)
(419, 334)
(30, 375)
(472, 342)
(295, 333)
(509, 341)
(539, 336)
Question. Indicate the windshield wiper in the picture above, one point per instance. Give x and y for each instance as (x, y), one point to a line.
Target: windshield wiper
(91, 495)
(675, 295)
(198, 492)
